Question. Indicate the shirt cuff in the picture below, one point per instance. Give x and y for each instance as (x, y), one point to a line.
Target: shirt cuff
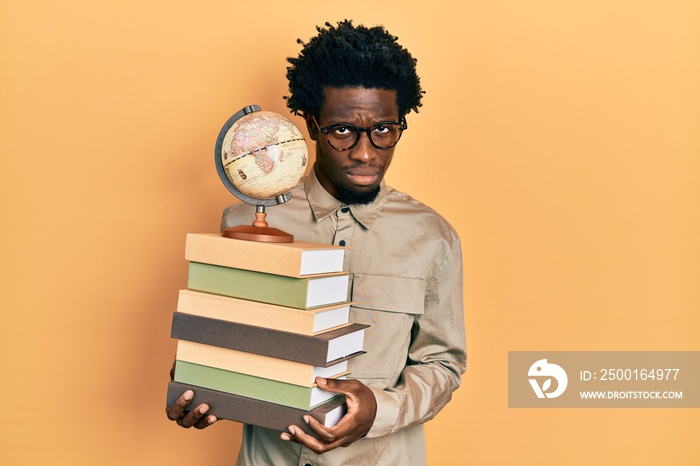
(387, 414)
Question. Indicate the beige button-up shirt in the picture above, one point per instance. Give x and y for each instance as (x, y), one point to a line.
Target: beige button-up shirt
(406, 271)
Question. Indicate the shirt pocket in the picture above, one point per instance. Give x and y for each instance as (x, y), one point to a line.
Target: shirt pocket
(389, 306)
(389, 294)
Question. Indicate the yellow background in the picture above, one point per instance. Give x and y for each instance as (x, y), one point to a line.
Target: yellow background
(560, 138)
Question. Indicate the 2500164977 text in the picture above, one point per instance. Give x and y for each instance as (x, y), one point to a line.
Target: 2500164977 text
(610, 374)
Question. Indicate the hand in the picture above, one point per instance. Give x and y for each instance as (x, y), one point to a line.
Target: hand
(362, 409)
(195, 418)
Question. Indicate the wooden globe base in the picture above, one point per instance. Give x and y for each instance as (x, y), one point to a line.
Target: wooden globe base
(258, 231)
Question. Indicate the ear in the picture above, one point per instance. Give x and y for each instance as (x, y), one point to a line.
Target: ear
(311, 127)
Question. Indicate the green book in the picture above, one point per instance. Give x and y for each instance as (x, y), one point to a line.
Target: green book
(300, 293)
(258, 388)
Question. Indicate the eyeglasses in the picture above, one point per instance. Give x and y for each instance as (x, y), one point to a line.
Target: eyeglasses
(344, 136)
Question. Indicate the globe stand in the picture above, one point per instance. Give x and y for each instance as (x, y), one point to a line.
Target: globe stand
(258, 231)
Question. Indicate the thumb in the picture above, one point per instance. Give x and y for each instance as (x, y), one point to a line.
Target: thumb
(330, 385)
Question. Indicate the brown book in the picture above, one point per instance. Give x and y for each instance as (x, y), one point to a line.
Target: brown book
(255, 412)
(324, 349)
(295, 259)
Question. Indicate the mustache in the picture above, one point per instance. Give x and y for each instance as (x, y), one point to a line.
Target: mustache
(364, 168)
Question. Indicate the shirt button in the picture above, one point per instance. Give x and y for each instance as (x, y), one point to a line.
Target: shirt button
(342, 242)
(345, 210)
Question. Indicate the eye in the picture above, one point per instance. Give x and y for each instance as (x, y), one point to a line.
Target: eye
(342, 131)
(384, 130)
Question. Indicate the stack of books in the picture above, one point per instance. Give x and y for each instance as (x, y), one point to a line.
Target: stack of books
(257, 324)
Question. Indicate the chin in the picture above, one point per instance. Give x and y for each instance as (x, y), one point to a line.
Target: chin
(353, 196)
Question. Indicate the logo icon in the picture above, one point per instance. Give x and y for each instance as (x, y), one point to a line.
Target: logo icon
(542, 370)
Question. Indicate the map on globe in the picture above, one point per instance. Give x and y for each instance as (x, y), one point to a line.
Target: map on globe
(264, 155)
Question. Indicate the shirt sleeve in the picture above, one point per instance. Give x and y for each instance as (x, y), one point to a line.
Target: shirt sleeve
(437, 354)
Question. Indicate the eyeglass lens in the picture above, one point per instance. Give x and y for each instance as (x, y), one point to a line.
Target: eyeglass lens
(382, 135)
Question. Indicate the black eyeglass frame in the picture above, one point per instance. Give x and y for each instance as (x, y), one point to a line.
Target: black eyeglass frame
(366, 129)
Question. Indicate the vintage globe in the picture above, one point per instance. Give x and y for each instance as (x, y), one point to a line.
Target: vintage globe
(263, 155)
(260, 156)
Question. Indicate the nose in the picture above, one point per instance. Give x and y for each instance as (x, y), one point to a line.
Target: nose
(363, 151)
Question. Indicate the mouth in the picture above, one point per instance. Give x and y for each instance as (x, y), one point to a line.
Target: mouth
(363, 177)
(363, 180)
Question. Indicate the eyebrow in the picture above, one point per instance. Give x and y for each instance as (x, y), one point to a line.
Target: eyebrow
(341, 121)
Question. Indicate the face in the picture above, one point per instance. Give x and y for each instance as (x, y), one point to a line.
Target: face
(353, 176)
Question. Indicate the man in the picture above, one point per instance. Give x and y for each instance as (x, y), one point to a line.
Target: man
(354, 86)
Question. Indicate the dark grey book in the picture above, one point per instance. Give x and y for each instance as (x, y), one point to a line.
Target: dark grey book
(323, 349)
(256, 412)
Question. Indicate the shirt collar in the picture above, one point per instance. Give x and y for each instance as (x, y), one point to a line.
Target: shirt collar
(323, 204)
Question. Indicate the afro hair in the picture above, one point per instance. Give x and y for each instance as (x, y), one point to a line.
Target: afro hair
(351, 56)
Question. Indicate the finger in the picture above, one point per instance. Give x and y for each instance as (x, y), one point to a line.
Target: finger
(309, 441)
(193, 417)
(176, 410)
(321, 431)
(205, 422)
(341, 434)
(347, 387)
(336, 385)
(325, 384)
